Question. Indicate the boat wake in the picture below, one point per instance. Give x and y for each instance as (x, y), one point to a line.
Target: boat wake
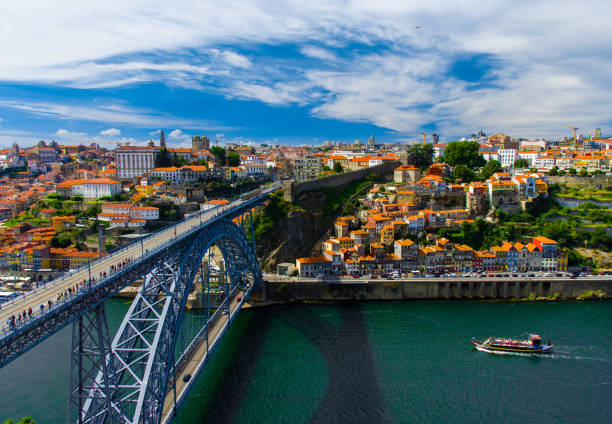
(554, 355)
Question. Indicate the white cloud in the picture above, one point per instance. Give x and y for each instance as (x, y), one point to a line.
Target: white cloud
(65, 134)
(178, 135)
(111, 132)
(318, 53)
(112, 113)
(279, 94)
(551, 70)
(236, 59)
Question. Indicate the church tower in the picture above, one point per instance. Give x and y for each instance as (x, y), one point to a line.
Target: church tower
(162, 139)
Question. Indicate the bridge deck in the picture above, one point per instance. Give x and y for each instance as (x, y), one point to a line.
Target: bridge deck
(198, 358)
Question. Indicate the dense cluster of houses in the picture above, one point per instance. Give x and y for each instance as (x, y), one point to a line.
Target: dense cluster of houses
(345, 256)
(590, 154)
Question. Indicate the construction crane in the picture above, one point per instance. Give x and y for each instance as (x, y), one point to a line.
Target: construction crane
(575, 129)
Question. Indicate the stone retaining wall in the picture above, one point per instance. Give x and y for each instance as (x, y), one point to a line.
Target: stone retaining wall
(430, 289)
(293, 189)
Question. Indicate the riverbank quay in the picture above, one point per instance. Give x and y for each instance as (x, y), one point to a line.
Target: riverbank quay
(545, 288)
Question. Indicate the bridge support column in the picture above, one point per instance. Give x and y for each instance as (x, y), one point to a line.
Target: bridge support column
(89, 374)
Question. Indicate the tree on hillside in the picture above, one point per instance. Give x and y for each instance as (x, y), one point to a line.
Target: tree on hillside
(233, 159)
(178, 161)
(219, 154)
(583, 173)
(489, 169)
(24, 420)
(421, 155)
(521, 163)
(572, 171)
(463, 153)
(463, 173)
(338, 167)
(554, 171)
(163, 159)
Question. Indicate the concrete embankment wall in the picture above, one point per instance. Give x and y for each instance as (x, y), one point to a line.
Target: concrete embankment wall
(430, 289)
(292, 189)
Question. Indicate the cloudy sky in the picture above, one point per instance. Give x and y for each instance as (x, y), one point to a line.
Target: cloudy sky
(301, 72)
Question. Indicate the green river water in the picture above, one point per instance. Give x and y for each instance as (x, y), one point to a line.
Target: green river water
(396, 362)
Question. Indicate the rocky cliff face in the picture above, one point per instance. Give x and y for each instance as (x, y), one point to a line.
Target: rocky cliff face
(294, 234)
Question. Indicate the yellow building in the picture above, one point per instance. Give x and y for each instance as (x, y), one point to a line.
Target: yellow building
(541, 187)
(345, 242)
(387, 235)
(60, 222)
(146, 190)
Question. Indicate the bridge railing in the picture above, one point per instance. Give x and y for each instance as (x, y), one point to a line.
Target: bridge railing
(212, 320)
(131, 245)
(221, 211)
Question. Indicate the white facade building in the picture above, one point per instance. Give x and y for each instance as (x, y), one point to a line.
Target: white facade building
(47, 154)
(127, 215)
(507, 157)
(148, 213)
(89, 189)
(134, 161)
(171, 173)
(544, 162)
(529, 156)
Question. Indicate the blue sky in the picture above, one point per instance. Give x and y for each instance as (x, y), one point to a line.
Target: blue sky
(296, 73)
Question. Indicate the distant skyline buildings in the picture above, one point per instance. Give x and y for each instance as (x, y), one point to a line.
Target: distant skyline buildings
(279, 73)
(197, 142)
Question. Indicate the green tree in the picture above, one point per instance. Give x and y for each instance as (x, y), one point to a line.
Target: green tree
(203, 162)
(233, 159)
(24, 420)
(562, 172)
(572, 171)
(326, 168)
(521, 163)
(163, 159)
(421, 155)
(219, 154)
(338, 167)
(93, 210)
(583, 173)
(463, 173)
(554, 171)
(178, 161)
(463, 153)
(489, 169)
(600, 238)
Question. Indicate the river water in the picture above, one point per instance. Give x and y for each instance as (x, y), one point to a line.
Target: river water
(396, 362)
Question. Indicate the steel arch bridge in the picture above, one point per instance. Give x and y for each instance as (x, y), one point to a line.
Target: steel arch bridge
(128, 380)
(134, 377)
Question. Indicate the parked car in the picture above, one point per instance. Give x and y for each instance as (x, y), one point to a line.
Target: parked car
(186, 377)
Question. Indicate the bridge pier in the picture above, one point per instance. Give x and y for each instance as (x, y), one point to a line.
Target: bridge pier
(89, 373)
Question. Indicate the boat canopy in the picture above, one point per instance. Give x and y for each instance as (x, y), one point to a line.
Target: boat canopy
(535, 339)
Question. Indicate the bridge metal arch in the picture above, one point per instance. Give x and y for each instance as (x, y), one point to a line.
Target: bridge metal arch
(140, 368)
